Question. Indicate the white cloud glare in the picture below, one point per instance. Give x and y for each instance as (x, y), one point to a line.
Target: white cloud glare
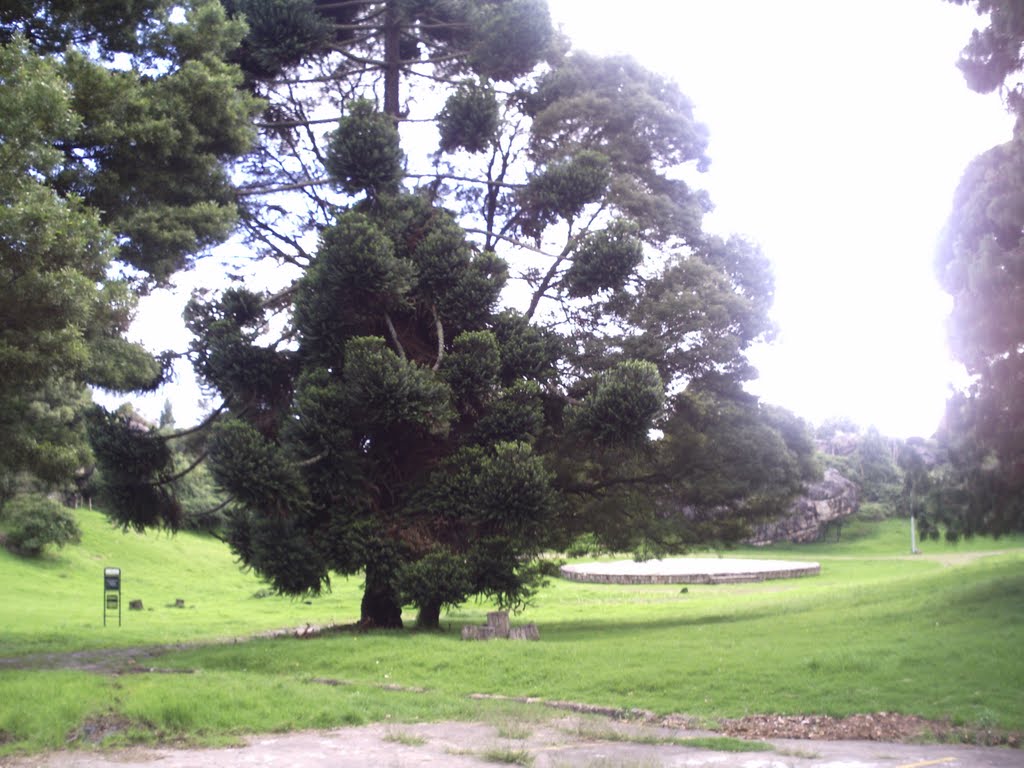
(839, 131)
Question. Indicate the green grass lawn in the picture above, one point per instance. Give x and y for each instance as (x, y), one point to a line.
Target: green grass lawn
(937, 635)
(55, 603)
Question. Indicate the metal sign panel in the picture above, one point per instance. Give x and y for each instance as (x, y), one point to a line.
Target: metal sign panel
(111, 593)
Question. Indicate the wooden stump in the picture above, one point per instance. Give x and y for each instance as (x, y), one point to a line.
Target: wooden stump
(498, 622)
(473, 632)
(527, 632)
(179, 603)
(134, 605)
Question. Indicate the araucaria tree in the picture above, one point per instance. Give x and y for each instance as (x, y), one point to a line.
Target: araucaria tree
(484, 340)
(981, 264)
(116, 121)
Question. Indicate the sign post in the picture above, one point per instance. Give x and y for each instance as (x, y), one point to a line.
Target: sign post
(111, 593)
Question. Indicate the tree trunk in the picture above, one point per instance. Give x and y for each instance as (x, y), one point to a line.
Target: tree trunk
(429, 616)
(392, 59)
(380, 607)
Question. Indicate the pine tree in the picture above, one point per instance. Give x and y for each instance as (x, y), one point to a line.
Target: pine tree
(407, 425)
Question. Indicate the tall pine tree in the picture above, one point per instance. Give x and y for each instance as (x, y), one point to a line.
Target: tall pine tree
(483, 339)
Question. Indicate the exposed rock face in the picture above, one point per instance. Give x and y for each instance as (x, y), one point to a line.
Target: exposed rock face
(834, 498)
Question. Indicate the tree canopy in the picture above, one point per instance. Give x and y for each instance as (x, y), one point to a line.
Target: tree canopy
(115, 126)
(491, 348)
(981, 264)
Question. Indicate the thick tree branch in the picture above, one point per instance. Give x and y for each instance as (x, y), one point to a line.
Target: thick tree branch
(512, 240)
(440, 337)
(178, 475)
(394, 335)
(250, 191)
(467, 179)
(313, 460)
(197, 428)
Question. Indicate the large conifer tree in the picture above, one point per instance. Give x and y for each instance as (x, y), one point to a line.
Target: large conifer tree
(981, 264)
(483, 338)
(115, 126)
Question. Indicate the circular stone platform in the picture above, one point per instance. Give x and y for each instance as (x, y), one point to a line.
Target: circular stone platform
(688, 570)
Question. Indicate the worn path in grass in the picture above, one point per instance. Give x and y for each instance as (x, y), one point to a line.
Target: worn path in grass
(562, 743)
(133, 659)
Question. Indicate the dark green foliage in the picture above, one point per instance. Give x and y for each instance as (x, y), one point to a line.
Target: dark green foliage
(112, 25)
(255, 469)
(639, 121)
(624, 402)
(469, 119)
(440, 578)
(135, 471)
(386, 394)
(44, 432)
(604, 260)
(510, 35)
(498, 39)
(277, 546)
(364, 153)
(472, 369)
(357, 279)
(515, 414)
(281, 35)
(563, 190)
(527, 350)
(36, 522)
(115, 127)
(153, 147)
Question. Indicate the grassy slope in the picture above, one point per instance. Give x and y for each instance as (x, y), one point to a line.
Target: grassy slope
(55, 603)
(937, 635)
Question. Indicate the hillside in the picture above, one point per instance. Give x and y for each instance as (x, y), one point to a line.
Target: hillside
(55, 602)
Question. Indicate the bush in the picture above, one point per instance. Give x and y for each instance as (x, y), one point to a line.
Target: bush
(585, 545)
(33, 522)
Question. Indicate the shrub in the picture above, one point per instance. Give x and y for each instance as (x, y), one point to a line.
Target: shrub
(34, 521)
(585, 545)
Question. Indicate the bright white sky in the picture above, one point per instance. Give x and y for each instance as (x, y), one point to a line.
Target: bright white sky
(838, 131)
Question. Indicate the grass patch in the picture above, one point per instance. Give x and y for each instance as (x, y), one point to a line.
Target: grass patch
(406, 738)
(805, 754)
(512, 729)
(507, 756)
(723, 744)
(936, 635)
(716, 743)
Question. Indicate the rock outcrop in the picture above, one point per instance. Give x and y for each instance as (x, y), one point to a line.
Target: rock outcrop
(831, 499)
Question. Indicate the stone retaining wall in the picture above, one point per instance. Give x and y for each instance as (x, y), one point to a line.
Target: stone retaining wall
(812, 569)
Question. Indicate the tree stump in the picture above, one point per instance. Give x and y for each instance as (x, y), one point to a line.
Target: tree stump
(134, 605)
(473, 632)
(527, 632)
(179, 603)
(498, 622)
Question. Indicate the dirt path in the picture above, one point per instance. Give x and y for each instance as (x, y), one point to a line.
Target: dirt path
(135, 659)
(564, 742)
